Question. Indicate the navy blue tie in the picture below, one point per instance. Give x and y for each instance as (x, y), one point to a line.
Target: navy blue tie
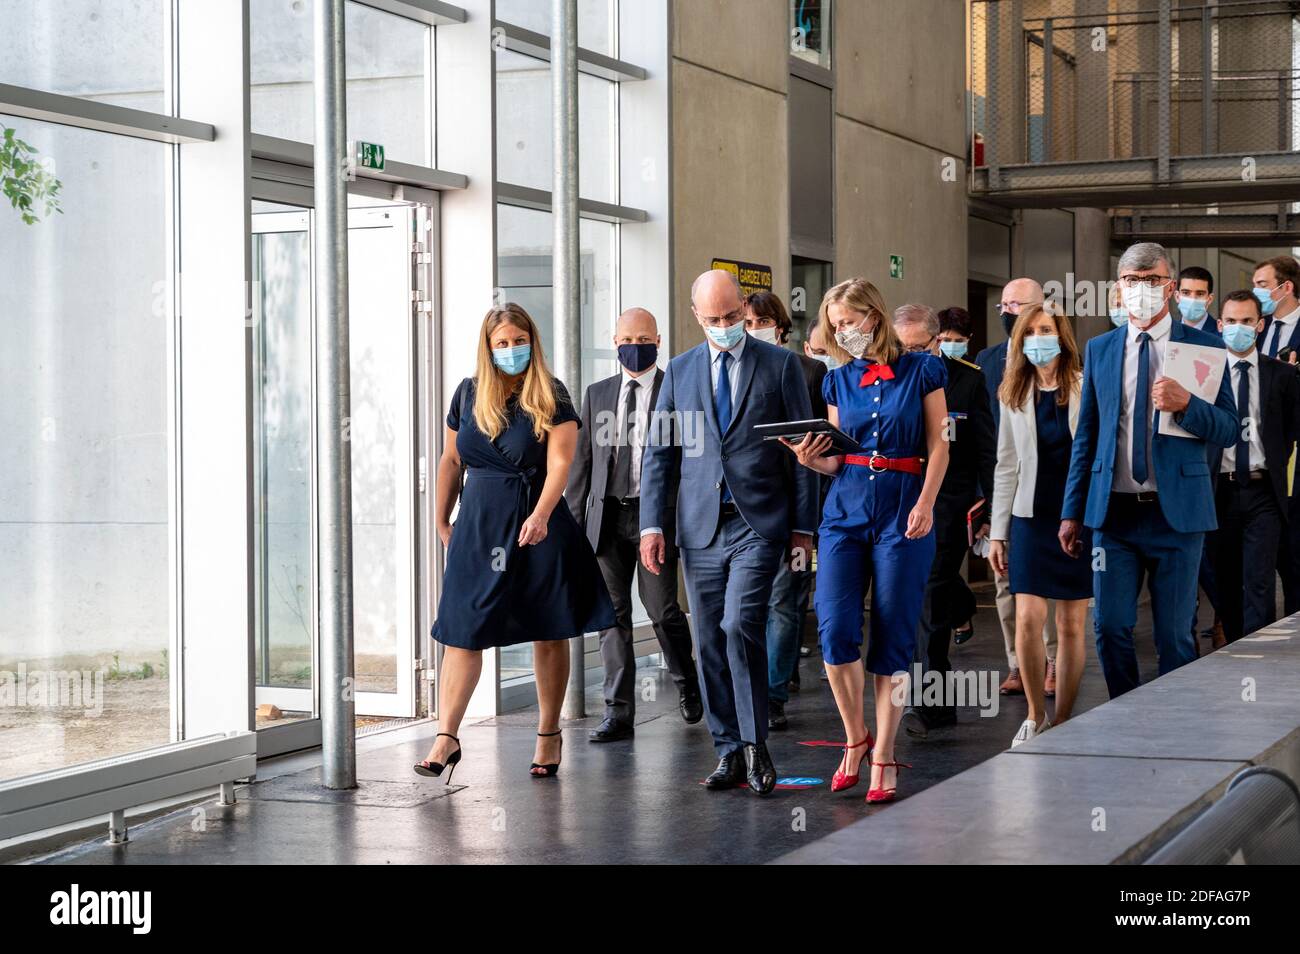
(1243, 412)
(1273, 341)
(722, 405)
(1142, 411)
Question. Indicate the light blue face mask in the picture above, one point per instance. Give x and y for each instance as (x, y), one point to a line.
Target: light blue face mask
(1266, 302)
(513, 360)
(1041, 350)
(1239, 338)
(728, 337)
(1119, 317)
(828, 360)
(953, 349)
(1193, 309)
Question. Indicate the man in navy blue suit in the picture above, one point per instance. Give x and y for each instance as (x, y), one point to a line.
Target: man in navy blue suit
(1146, 495)
(741, 509)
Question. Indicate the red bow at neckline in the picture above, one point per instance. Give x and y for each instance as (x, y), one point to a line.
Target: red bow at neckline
(882, 371)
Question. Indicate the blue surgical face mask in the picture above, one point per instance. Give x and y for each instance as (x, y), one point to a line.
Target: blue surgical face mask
(1041, 350)
(513, 360)
(638, 357)
(1119, 317)
(728, 337)
(826, 359)
(1193, 309)
(1239, 338)
(953, 349)
(1266, 302)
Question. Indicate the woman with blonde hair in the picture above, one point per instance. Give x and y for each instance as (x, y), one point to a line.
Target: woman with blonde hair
(519, 568)
(1039, 400)
(877, 525)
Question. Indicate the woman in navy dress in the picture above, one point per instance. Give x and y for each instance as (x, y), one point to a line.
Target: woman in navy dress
(1039, 400)
(519, 568)
(877, 524)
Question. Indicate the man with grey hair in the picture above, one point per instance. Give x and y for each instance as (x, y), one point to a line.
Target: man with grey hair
(1147, 496)
(741, 509)
(972, 453)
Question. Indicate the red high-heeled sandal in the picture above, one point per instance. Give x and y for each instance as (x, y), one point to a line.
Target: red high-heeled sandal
(886, 794)
(840, 781)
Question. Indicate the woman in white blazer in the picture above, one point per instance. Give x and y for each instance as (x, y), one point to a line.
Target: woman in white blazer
(1039, 404)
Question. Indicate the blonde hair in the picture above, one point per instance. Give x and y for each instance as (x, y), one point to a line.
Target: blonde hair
(537, 393)
(863, 297)
(1021, 376)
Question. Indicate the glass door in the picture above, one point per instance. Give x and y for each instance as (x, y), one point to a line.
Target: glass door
(381, 432)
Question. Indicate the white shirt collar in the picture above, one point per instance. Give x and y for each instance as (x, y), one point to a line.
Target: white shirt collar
(628, 377)
(1288, 319)
(1252, 359)
(734, 352)
(1157, 331)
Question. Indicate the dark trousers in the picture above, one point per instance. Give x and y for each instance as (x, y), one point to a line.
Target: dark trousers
(1250, 525)
(948, 600)
(729, 583)
(1137, 543)
(618, 556)
(1288, 559)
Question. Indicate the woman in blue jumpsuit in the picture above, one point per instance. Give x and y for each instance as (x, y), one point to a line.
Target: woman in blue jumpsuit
(877, 523)
(519, 568)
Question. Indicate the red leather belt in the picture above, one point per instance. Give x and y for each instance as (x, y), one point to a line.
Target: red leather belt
(878, 464)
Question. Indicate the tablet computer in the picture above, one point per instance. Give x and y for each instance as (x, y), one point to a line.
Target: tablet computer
(794, 431)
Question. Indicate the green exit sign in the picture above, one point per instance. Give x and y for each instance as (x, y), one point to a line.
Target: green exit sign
(370, 155)
(895, 266)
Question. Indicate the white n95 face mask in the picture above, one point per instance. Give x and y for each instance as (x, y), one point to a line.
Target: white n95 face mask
(1143, 301)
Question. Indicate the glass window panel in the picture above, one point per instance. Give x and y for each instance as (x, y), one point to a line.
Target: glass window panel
(84, 496)
(524, 127)
(524, 244)
(810, 31)
(104, 50)
(386, 87)
(595, 20)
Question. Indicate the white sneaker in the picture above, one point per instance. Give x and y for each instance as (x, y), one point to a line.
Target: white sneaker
(1029, 729)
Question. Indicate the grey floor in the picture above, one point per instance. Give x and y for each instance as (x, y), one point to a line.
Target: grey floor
(638, 801)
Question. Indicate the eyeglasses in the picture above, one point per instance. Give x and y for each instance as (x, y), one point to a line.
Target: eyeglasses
(918, 349)
(728, 319)
(1151, 281)
(1008, 305)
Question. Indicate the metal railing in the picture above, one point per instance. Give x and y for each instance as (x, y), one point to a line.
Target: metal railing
(1256, 822)
(1127, 79)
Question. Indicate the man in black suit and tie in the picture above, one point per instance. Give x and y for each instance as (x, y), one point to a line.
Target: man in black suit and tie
(1251, 478)
(604, 494)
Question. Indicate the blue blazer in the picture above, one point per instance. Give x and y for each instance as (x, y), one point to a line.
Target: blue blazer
(773, 493)
(1181, 468)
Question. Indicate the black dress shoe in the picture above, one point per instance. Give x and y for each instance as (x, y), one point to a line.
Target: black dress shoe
(776, 720)
(960, 636)
(690, 704)
(729, 773)
(612, 730)
(759, 770)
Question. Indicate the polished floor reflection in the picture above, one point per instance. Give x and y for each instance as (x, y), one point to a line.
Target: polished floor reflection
(635, 802)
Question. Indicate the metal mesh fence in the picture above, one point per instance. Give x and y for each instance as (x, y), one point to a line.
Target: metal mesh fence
(1097, 81)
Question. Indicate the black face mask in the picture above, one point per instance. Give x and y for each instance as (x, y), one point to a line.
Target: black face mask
(1008, 321)
(637, 357)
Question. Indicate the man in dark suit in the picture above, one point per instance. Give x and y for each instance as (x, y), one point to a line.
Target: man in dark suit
(1251, 477)
(1018, 295)
(1146, 495)
(740, 511)
(1195, 296)
(767, 320)
(604, 494)
(972, 454)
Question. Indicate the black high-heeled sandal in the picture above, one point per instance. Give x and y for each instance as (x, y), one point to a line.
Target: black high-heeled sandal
(434, 769)
(551, 769)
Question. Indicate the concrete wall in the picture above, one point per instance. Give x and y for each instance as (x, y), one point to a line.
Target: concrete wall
(729, 177)
(898, 68)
